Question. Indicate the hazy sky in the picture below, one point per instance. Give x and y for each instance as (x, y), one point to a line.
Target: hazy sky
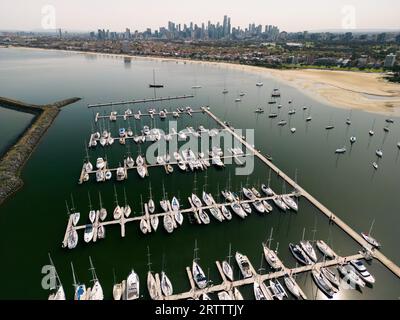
(289, 15)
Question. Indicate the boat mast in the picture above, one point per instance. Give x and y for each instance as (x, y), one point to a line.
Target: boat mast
(370, 229)
(75, 283)
(148, 259)
(304, 231)
(90, 201)
(269, 177)
(92, 269)
(115, 195)
(66, 204)
(270, 237)
(261, 264)
(101, 202)
(150, 195)
(125, 197)
(195, 258)
(72, 203)
(205, 182)
(230, 253)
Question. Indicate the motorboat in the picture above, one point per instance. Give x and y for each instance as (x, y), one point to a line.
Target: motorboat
(353, 139)
(236, 207)
(389, 120)
(292, 130)
(267, 190)
(371, 132)
(117, 213)
(386, 129)
(154, 221)
(223, 295)
(248, 194)
(259, 206)
(244, 265)
(203, 216)
(341, 150)
(226, 213)
(273, 115)
(330, 127)
(308, 248)
(282, 123)
(299, 254)
(331, 276)
(199, 276)
(280, 203)
(350, 275)
(146, 130)
(100, 163)
(246, 207)
(110, 140)
(227, 269)
(277, 289)
(308, 119)
(122, 132)
(292, 287)
(322, 283)
(168, 223)
(292, 111)
(375, 165)
(372, 241)
(88, 235)
(259, 84)
(290, 202)
(325, 249)
(268, 207)
(144, 226)
(379, 153)
(101, 232)
(108, 175)
(259, 110)
(272, 258)
(216, 213)
(166, 285)
(121, 174)
(362, 271)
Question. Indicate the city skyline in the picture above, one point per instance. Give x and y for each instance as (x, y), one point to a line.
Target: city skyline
(78, 16)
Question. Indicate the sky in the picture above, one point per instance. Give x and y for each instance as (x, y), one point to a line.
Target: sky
(116, 15)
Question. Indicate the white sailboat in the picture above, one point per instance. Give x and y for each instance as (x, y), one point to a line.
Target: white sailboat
(244, 265)
(58, 290)
(166, 285)
(127, 209)
(79, 289)
(96, 292)
(102, 211)
(151, 281)
(118, 212)
(226, 266)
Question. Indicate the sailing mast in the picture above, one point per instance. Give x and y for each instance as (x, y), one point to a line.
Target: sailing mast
(148, 259)
(92, 269)
(195, 257)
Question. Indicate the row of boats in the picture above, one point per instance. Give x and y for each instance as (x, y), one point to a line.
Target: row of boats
(148, 134)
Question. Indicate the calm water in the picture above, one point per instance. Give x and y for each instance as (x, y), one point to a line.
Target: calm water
(33, 221)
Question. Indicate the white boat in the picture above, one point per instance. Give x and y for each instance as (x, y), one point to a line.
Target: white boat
(350, 275)
(249, 194)
(279, 203)
(127, 210)
(120, 174)
(238, 100)
(372, 241)
(175, 204)
(168, 223)
(142, 171)
(375, 165)
(371, 132)
(362, 271)
(139, 160)
(308, 119)
(353, 139)
(322, 283)
(292, 130)
(277, 289)
(268, 207)
(292, 287)
(144, 226)
(196, 201)
(108, 175)
(259, 84)
(166, 285)
(282, 123)
(100, 163)
(237, 294)
(80, 292)
(256, 192)
(110, 140)
(117, 213)
(101, 232)
(325, 249)
(208, 200)
(58, 290)
(244, 265)
(398, 145)
(72, 239)
(267, 190)
(379, 153)
(259, 206)
(228, 195)
(103, 141)
(182, 165)
(299, 254)
(88, 235)
(341, 150)
(102, 214)
(226, 213)
(152, 286)
(199, 276)
(88, 167)
(164, 205)
(154, 221)
(308, 248)
(331, 276)
(290, 202)
(117, 291)
(96, 292)
(75, 218)
(227, 269)
(272, 258)
(178, 217)
(246, 207)
(236, 207)
(100, 176)
(130, 162)
(151, 206)
(223, 295)
(258, 292)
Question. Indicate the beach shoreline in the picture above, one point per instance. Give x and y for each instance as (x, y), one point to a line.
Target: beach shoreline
(342, 89)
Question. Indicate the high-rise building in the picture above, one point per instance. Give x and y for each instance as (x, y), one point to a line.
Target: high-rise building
(127, 33)
(390, 60)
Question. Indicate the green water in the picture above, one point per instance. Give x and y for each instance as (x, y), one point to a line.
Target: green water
(33, 221)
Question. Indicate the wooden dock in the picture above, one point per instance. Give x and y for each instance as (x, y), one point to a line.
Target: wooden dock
(146, 100)
(334, 218)
(127, 116)
(123, 220)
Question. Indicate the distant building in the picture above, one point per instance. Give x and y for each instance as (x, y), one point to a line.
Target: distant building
(389, 60)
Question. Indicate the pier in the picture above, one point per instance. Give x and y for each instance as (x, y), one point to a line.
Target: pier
(146, 100)
(146, 216)
(126, 116)
(330, 215)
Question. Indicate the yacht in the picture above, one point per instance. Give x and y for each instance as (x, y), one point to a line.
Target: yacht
(127, 210)
(117, 213)
(279, 203)
(166, 285)
(130, 162)
(277, 289)
(267, 190)
(226, 213)
(142, 171)
(139, 160)
(282, 123)
(143, 226)
(199, 276)
(268, 207)
(196, 201)
(151, 206)
(299, 254)
(75, 218)
(207, 198)
(238, 210)
(292, 287)
(249, 194)
(350, 275)
(223, 295)
(72, 240)
(168, 223)
(80, 292)
(375, 165)
(165, 205)
(372, 241)
(292, 130)
(152, 286)
(259, 206)
(325, 249)
(122, 132)
(244, 265)
(255, 192)
(331, 276)
(272, 258)
(341, 150)
(96, 292)
(154, 221)
(258, 292)
(353, 139)
(379, 153)
(100, 163)
(322, 283)
(101, 232)
(290, 202)
(178, 217)
(362, 271)
(132, 287)
(100, 176)
(259, 84)
(259, 110)
(228, 271)
(204, 216)
(246, 207)
(88, 235)
(308, 248)
(175, 204)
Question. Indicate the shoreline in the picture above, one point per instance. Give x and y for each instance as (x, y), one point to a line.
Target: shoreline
(16, 156)
(341, 89)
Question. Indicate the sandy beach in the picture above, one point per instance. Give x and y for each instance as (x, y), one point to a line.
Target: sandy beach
(344, 89)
